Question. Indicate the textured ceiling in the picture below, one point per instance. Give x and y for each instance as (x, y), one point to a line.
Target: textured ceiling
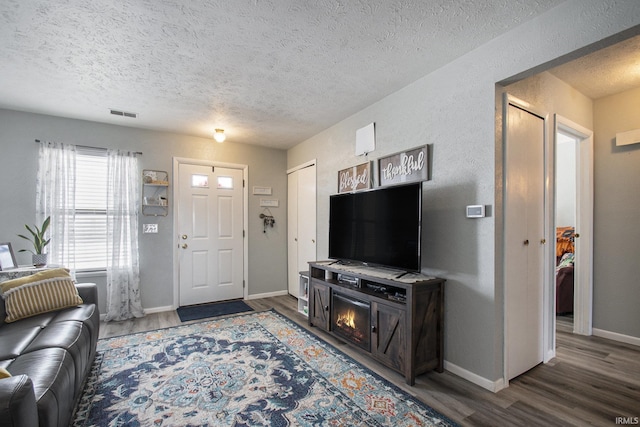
(270, 72)
(605, 72)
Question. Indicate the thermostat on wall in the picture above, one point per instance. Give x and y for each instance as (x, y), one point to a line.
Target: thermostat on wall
(475, 211)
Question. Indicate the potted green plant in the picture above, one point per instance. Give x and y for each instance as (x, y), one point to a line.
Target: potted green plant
(39, 242)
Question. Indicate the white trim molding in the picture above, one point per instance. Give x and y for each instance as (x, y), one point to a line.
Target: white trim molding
(301, 166)
(267, 295)
(614, 336)
(493, 386)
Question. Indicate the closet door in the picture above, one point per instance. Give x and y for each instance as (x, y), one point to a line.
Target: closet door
(301, 227)
(306, 217)
(524, 239)
(292, 233)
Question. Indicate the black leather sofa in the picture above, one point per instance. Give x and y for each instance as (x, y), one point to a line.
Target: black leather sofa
(49, 357)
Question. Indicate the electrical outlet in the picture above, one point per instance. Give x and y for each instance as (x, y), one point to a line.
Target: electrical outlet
(149, 228)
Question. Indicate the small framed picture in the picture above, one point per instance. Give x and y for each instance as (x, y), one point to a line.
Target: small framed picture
(7, 258)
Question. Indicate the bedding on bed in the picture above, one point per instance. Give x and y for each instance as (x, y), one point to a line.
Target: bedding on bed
(565, 237)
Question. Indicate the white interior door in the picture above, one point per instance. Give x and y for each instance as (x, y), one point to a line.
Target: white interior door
(292, 233)
(301, 223)
(210, 227)
(524, 240)
(306, 217)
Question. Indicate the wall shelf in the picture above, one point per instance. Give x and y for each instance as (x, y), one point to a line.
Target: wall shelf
(303, 294)
(155, 192)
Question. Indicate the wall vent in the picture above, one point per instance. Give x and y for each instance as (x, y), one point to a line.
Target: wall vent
(123, 113)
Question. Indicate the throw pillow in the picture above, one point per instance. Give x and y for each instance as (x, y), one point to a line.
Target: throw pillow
(42, 292)
(4, 373)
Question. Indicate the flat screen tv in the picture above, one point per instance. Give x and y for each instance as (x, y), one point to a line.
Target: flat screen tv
(378, 227)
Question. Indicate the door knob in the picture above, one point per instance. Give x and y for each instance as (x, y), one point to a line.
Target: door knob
(373, 329)
(526, 242)
(543, 241)
(577, 235)
(184, 237)
(184, 246)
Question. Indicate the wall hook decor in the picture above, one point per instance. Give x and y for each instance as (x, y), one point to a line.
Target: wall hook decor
(268, 220)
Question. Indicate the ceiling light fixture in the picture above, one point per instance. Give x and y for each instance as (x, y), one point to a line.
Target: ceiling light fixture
(219, 135)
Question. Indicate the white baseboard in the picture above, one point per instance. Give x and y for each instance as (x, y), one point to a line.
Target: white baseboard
(158, 309)
(146, 311)
(551, 354)
(268, 295)
(616, 337)
(493, 386)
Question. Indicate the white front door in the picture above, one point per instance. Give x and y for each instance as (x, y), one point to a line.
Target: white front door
(524, 239)
(210, 228)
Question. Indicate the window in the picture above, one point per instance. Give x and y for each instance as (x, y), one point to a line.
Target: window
(225, 182)
(91, 210)
(92, 197)
(200, 181)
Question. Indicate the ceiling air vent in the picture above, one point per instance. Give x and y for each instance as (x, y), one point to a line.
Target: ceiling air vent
(124, 114)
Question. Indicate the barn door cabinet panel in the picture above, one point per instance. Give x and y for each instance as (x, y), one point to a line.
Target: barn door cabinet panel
(388, 335)
(404, 327)
(319, 305)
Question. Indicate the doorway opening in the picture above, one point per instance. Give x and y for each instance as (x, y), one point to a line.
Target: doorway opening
(565, 220)
(574, 226)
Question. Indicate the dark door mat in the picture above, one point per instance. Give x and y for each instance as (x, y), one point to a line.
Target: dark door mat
(203, 311)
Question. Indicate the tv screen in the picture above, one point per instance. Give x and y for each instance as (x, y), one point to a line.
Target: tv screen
(381, 226)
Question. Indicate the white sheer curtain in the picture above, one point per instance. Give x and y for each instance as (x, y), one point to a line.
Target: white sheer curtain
(123, 268)
(55, 198)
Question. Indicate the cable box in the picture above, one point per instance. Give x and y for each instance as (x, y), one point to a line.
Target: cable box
(348, 280)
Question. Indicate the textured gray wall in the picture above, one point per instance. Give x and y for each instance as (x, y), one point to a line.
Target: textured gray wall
(616, 229)
(453, 110)
(267, 167)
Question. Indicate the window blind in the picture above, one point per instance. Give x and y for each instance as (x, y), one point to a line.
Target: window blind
(91, 210)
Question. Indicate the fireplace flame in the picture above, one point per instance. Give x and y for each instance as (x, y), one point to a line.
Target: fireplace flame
(347, 319)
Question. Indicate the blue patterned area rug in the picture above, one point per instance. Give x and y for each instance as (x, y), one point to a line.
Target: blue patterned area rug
(257, 369)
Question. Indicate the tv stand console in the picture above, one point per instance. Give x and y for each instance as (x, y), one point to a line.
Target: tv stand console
(405, 328)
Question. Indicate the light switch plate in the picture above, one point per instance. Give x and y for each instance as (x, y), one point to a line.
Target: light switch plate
(149, 228)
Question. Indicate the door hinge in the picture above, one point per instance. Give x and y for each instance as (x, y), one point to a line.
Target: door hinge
(243, 284)
(243, 233)
(213, 168)
(243, 183)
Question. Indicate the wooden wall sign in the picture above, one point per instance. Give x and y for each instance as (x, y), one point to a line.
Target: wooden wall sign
(354, 178)
(404, 167)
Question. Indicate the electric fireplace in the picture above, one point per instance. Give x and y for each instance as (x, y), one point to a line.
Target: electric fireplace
(351, 319)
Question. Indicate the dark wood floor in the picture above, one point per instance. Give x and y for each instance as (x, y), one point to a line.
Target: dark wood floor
(592, 381)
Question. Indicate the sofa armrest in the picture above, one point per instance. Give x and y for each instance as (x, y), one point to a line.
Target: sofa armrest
(18, 402)
(88, 292)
